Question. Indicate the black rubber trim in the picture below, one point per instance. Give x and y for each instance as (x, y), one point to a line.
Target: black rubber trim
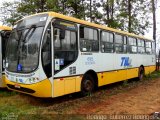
(22, 89)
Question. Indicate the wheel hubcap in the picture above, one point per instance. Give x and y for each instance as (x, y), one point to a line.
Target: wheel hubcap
(88, 85)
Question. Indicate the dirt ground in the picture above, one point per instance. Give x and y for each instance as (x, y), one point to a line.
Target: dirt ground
(143, 99)
(131, 97)
(135, 97)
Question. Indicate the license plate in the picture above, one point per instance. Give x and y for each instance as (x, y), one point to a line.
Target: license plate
(17, 86)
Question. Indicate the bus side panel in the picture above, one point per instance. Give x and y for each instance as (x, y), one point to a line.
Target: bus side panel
(111, 77)
(58, 87)
(66, 85)
(70, 85)
(78, 83)
(132, 73)
(149, 69)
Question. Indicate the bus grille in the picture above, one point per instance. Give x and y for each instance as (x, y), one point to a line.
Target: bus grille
(21, 89)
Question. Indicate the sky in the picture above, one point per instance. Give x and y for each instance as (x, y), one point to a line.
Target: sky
(149, 34)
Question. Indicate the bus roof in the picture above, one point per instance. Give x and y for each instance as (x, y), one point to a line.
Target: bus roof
(5, 28)
(57, 15)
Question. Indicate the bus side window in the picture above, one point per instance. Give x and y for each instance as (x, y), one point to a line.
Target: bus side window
(119, 39)
(148, 47)
(46, 53)
(107, 42)
(132, 46)
(141, 48)
(89, 39)
(65, 50)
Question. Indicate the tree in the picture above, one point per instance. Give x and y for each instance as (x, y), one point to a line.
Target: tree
(154, 19)
(109, 18)
(75, 8)
(92, 10)
(133, 15)
(9, 13)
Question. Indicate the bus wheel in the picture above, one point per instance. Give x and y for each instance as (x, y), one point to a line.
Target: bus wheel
(141, 73)
(87, 85)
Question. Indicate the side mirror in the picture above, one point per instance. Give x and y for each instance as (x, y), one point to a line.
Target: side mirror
(62, 34)
(5, 34)
(62, 29)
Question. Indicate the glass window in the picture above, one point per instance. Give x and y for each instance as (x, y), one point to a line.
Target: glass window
(132, 47)
(125, 40)
(46, 52)
(118, 43)
(106, 36)
(68, 43)
(148, 50)
(148, 44)
(107, 47)
(89, 39)
(132, 41)
(140, 42)
(148, 47)
(119, 48)
(88, 33)
(65, 50)
(119, 39)
(107, 42)
(141, 48)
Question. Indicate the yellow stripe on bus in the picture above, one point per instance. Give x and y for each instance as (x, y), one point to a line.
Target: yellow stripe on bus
(5, 28)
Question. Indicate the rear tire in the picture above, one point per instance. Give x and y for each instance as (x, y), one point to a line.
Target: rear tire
(87, 85)
(141, 73)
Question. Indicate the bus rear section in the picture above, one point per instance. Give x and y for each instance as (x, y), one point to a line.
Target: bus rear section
(4, 35)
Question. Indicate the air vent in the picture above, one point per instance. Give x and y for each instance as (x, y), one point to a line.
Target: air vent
(72, 70)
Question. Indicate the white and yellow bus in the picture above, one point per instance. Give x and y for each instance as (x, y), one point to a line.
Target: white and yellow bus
(51, 55)
(4, 34)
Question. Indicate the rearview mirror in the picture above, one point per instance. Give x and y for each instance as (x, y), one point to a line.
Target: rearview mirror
(5, 34)
(62, 34)
(62, 29)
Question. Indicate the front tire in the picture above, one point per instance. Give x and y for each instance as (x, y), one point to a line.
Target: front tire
(87, 85)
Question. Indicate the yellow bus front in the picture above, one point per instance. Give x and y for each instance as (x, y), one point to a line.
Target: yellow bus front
(24, 68)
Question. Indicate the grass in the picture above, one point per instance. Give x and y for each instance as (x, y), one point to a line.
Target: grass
(24, 107)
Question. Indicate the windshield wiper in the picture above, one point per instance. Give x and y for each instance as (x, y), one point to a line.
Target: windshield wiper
(33, 27)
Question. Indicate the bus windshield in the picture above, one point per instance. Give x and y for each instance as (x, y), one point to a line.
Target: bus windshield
(23, 49)
(24, 44)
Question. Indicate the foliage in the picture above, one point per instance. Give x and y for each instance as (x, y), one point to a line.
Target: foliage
(128, 15)
(9, 13)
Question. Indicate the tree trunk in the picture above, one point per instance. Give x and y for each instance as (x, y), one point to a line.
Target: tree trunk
(90, 10)
(129, 16)
(154, 21)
